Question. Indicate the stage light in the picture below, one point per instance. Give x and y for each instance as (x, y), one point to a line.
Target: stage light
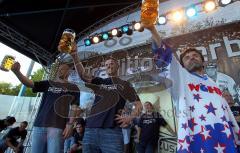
(209, 5)
(191, 11)
(162, 20)
(119, 34)
(137, 27)
(130, 32)
(87, 42)
(126, 29)
(177, 16)
(96, 39)
(224, 2)
(114, 32)
(105, 36)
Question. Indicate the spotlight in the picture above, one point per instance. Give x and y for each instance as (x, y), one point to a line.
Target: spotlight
(130, 32)
(209, 5)
(162, 20)
(96, 39)
(137, 27)
(105, 36)
(126, 29)
(87, 42)
(177, 16)
(191, 11)
(224, 2)
(116, 32)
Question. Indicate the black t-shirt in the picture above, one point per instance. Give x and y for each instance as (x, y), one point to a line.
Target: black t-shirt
(2, 125)
(14, 134)
(111, 95)
(55, 103)
(236, 112)
(77, 137)
(150, 125)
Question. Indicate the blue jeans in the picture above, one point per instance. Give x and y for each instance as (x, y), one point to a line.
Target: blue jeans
(100, 140)
(47, 140)
(148, 148)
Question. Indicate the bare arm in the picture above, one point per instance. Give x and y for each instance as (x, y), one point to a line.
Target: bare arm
(20, 143)
(79, 67)
(9, 144)
(72, 118)
(138, 132)
(16, 70)
(155, 35)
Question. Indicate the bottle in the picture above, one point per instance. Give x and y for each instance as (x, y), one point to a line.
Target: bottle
(149, 12)
(7, 63)
(65, 43)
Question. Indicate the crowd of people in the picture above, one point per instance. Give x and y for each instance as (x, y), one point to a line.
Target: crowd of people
(10, 139)
(204, 112)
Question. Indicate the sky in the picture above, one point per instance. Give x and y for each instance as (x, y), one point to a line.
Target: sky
(9, 77)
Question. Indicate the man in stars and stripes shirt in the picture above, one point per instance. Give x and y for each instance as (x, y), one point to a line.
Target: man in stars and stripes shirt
(205, 122)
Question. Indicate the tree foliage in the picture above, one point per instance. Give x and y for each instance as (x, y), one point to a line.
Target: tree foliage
(9, 89)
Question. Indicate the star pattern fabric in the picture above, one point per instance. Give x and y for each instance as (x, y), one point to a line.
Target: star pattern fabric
(210, 108)
(196, 97)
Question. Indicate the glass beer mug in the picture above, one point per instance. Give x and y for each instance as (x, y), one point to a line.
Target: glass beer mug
(149, 12)
(7, 63)
(65, 44)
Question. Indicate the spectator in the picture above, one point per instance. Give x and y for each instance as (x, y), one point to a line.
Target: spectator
(11, 138)
(149, 126)
(8, 121)
(78, 136)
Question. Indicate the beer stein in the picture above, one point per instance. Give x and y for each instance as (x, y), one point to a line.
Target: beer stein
(149, 12)
(7, 63)
(66, 41)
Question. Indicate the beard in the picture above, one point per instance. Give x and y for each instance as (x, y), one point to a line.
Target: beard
(194, 66)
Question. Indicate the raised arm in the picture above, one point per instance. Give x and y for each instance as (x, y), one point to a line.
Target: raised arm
(16, 70)
(155, 35)
(79, 66)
